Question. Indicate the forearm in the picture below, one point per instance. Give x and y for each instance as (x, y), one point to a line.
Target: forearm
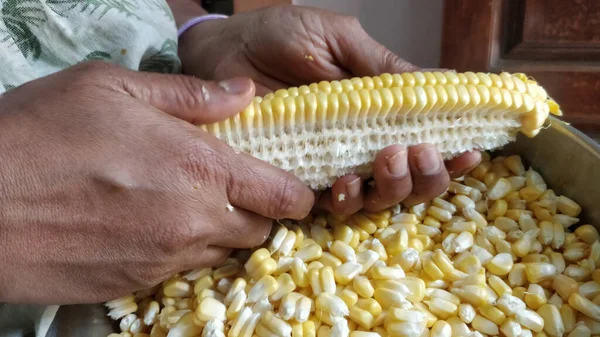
(183, 10)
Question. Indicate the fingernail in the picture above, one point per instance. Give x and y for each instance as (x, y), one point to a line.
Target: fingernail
(429, 161)
(353, 188)
(397, 164)
(235, 86)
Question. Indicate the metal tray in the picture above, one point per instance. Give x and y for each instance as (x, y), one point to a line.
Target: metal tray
(568, 160)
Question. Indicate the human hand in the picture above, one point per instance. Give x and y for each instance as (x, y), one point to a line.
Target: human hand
(107, 188)
(284, 46)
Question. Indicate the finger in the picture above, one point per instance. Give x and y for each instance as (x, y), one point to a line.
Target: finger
(345, 196)
(189, 98)
(267, 190)
(197, 257)
(361, 54)
(462, 164)
(428, 174)
(392, 179)
(240, 228)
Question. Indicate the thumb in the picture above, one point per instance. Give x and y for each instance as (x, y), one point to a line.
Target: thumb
(189, 98)
(361, 55)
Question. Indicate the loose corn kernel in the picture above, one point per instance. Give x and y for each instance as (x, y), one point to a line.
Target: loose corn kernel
(535, 296)
(553, 323)
(565, 286)
(445, 266)
(510, 304)
(511, 328)
(498, 285)
(568, 206)
(501, 264)
(569, 317)
(580, 331)
(587, 234)
(493, 314)
(441, 329)
(539, 271)
(530, 320)
(209, 309)
(585, 306)
(484, 325)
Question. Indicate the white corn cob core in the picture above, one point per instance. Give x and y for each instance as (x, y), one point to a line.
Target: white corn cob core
(324, 131)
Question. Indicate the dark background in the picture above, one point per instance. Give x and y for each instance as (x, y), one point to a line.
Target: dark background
(218, 6)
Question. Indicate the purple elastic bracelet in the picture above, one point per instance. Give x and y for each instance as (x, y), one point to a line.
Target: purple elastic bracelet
(192, 22)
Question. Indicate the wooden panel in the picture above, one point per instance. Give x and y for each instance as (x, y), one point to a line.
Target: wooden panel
(247, 5)
(553, 30)
(556, 42)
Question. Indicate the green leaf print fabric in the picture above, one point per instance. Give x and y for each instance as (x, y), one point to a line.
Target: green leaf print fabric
(40, 37)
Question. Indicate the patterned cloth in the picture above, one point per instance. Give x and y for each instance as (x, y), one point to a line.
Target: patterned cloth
(41, 37)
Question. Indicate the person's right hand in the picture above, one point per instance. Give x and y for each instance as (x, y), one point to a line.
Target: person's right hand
(106, 187)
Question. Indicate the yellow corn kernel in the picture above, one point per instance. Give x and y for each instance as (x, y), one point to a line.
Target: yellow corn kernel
(511, 328)
(484, 325)
(576, 251)
(272, 325)
(362, 317)
(285, 285)
(349, 297)
(553, 323)
(568, 206)
(578, 272)
(499, 286)
(202, 283)
(472, 294)
(328, 259)
(363, 287)
(493, 314)
(177, 288)
(209, 309)
(264, 287)
(585, 306)
(510, 304)
(589, 289)
(587, 233)
(568, 316)
(501, 264)
(565, 286)
(539, 271)
(530, 320)
(440, 214)
(535, 296)
(227, 271)
(441, 329)
(581, 330)
(442, 308)
(345, 273)
(310, 252)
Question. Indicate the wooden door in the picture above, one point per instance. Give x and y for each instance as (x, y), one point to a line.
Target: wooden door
(557, 42)
(246, 5)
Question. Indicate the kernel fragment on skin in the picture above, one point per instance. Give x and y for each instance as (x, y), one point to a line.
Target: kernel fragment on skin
(341, 197)
(230, 207)
(309, 57)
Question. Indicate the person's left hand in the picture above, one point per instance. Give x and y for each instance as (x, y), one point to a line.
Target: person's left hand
(285, 46)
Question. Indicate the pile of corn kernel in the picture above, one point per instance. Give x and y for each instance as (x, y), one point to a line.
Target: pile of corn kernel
(498, 254)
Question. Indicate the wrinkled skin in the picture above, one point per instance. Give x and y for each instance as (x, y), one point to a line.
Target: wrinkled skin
(285, 46)
(107, 188)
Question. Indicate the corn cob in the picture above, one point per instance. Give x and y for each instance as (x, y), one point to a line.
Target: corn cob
(325, 130)
(404, 277)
